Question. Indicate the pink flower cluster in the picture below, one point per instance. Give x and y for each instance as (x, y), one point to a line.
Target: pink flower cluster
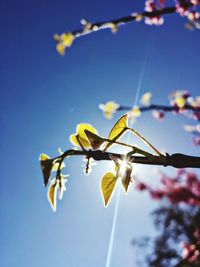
(190, 252)
(190, 12)
(183, 103)
(158, 115)
(151, 6)
(185, 8)
(183, 188)
(181, 9)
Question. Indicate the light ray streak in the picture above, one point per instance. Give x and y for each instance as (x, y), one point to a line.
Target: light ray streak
(112, 235)
(139, 87)
(137, 95)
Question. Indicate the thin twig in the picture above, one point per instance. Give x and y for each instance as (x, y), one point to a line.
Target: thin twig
(161, 108)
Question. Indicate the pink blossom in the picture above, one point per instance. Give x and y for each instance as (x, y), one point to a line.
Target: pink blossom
(158, 115)
(196, 116)
(141, 186)
(196, 140)
(183, 11)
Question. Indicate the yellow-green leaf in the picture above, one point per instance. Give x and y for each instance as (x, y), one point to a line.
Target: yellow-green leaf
(145, 99)
(44, 156)
(52, 194)
(60, 49)
(118, 130)
(56, 165)
(109, 109)
(85, 126)
(67, 39)
(107, 186)
(180, 101)
(76, 140)
(95, 140)
(46, 164)
(135, 112)
(56, 37)
(80, 136)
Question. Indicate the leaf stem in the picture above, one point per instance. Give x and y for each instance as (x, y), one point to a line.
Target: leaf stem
(145, 141)
(135, 149)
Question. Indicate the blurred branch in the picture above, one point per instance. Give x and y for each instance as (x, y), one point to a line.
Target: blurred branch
(92, 27)
(160, 107)
(154, 15)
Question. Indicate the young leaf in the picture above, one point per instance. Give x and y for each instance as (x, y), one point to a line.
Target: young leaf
(109, 109)
(95, 140)
(52, 194)
(56, 165)
(145, 99)
(135, 112)
(107, 186)
(126, 177)
(80, 138)
(118, 129)
(180, 102)
(76, 140)
(67, 39)
(46, 164)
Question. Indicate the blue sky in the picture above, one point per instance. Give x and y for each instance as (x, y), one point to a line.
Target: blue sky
(44, 96)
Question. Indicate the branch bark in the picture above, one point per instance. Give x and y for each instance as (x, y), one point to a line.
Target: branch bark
(176, 160)
(161, 107)
(93, 27)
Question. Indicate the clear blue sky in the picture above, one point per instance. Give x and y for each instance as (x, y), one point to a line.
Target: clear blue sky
(44, 96)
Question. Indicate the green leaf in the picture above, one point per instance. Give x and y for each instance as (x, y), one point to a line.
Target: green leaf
(117, 131)
(107, 186)
(95, 140)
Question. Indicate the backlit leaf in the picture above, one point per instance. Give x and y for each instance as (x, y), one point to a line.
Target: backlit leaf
(180, 102)
(107, 186)
(126, 177)
(52, 194)
(95, 140)
(85, 126)
(44, 157)
(145, 99)
(135, 112)
(118, 130)
(64, 40)
(46, 164)
(80, 136)
(67, 39)
(60, 49)
(56, 165)
(109, 109)
(76, 140)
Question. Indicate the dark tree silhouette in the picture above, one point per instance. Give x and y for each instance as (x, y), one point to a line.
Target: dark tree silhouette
(178, 222)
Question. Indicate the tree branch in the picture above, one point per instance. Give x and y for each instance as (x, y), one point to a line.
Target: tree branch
(93, 27)
(175, 160)
(160, 107)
